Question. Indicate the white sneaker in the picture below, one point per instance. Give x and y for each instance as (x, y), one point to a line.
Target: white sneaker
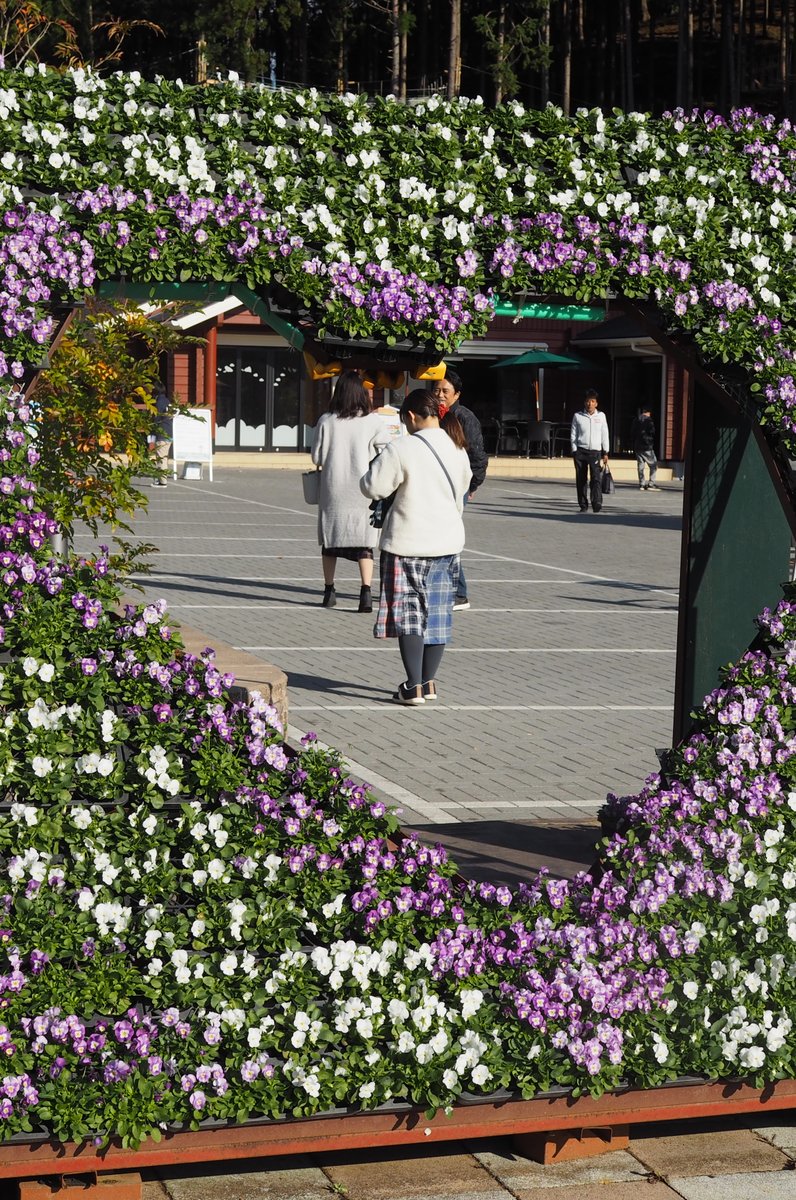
(460, 603)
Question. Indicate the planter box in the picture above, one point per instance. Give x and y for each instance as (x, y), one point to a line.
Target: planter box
(396, 1125)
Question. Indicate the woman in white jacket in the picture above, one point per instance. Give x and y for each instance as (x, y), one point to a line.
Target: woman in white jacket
(421, 539)
(346, 439)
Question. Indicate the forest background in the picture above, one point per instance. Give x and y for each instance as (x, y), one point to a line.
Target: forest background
(650, 55)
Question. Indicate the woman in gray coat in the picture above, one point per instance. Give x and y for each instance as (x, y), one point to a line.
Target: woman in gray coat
(346, 439)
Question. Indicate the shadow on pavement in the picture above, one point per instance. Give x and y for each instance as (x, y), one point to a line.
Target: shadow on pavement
(228, 586)
(618, 516)
(332, 687)
(511, 852)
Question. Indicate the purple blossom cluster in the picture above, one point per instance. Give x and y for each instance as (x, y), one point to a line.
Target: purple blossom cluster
(41, 259)
(388, 295)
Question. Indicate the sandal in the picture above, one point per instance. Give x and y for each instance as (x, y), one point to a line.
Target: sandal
(409, 696)
(429, 690)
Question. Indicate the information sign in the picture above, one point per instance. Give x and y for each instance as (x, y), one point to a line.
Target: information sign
(192, 438)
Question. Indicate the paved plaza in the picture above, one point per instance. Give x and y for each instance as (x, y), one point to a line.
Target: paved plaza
(556, 689)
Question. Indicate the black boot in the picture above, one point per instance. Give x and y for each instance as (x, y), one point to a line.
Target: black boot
(365, 600)
(329, 597)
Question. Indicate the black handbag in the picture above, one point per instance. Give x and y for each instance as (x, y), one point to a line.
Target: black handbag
(379, 510)
(607, 483)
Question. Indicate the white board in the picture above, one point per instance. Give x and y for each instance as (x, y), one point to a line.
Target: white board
(192, 438)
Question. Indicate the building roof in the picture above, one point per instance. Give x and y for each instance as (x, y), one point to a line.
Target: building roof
(618, 331)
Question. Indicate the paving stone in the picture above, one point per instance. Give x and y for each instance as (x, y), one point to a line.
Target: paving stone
(718, 1152)
(521, 1176)
(413, 1174)
(153, 1189)
(302, 1180)
(641, 1190)
(782, 1135)
(766, 1186)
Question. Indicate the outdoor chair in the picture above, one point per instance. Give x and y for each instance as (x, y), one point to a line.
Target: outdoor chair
(539, 434)
(507, 435)
(561, 438)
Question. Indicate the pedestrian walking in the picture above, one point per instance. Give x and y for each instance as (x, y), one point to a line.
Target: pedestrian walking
(347, 437)
(589, 441)
(448, 390)
(423, 534)
(162, 435)
(643, 437)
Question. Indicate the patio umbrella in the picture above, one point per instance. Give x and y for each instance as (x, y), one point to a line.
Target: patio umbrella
(540, 358)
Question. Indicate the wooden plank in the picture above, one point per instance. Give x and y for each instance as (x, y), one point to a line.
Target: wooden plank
(358, 1131)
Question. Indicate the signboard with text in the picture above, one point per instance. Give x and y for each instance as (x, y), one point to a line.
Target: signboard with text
(192, 438)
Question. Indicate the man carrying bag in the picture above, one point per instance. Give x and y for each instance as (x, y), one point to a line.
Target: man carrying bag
(589, 441)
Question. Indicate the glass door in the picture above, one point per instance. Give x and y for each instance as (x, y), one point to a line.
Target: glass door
(226, 399)
(258, 395)
(286, 393)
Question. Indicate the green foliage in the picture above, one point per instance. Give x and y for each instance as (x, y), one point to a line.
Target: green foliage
(93, 410)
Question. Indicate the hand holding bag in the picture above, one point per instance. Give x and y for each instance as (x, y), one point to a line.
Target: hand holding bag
(311, 482)
(379, 510)
(607, 485)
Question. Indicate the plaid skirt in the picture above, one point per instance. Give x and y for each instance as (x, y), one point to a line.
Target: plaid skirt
(417, 597)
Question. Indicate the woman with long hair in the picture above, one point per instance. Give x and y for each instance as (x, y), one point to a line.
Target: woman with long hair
(347, 437)
(422, 537)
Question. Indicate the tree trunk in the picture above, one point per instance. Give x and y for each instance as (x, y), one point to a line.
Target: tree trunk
(784, 39)
(455, 54)
(500, 51)
(650, 64)
(566, 47)
(86, 29)
(421, 58)
(395, 56)
(740, 72)
(685, 55)
(342, 51)
(727, 88)
(300, 44)
(404, 49)
(628, 98)
(546, 67)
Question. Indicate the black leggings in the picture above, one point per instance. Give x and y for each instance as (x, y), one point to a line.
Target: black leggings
(421, 662)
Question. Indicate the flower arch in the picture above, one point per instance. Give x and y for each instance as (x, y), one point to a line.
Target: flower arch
(400, 222)
(198, 922)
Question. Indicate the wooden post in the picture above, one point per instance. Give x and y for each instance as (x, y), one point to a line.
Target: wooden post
(211, 365)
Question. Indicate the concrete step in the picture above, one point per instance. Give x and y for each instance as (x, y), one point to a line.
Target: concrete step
(503, 466)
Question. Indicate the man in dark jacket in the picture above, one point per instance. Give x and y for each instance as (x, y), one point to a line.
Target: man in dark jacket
(449, 390)
(643, 435)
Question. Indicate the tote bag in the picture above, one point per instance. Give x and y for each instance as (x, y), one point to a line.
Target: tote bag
(607, 483)
(311, 482)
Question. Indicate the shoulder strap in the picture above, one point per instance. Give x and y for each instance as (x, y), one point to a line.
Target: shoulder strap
(441, 463)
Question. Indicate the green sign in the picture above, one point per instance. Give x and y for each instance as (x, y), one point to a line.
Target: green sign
(550, 312)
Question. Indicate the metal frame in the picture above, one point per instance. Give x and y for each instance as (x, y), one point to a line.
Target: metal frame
(733, 540)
